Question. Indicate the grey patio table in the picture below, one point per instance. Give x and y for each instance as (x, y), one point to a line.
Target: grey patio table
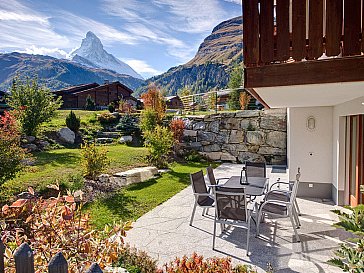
(255, 187)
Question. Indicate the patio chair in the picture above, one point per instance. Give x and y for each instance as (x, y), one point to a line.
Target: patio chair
(210, 174)
(281, 208)
(283, 195)
(203, 198)
(255, 169)
(231, 209)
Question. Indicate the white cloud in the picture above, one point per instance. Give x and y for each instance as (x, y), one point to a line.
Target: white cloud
(238, 2)
(22, 27)
(54, 52)
(142, 67)
(194, 16)
(77, 27)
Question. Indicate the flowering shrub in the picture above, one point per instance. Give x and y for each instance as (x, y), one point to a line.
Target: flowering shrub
(94, 160)
(11, 154)
(58, 224)
(197, 264)
(177, 126)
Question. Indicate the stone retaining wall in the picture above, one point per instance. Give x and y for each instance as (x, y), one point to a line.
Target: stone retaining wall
(253, 135)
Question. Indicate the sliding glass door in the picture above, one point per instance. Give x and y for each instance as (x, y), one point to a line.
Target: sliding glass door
(355, 157)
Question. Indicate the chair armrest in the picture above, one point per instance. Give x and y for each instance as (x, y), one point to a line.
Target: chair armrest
(223, 178)
(203, 194)
(278, 183)
(276, 202)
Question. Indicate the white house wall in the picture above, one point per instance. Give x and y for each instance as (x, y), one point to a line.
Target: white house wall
(311, 150)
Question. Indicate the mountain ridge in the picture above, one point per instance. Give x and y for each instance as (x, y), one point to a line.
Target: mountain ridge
(211, 66)
(56, 73)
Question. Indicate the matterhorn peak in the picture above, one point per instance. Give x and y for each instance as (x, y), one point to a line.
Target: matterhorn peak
(91, 53)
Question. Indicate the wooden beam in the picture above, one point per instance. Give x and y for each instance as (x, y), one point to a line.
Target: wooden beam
(282, 18)
(251, 32)
(257, 97)
(315, 30)
(348, 69)
(298, 29)
(334, 20)
(266, 31)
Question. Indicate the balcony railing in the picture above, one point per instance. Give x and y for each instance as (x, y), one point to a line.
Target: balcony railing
(284, 31)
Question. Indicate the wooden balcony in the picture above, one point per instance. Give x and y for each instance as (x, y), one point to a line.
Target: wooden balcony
(290, 42)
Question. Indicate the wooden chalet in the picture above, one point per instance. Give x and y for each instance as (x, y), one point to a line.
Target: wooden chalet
(308, 56)
(75, 97)
(173, 102)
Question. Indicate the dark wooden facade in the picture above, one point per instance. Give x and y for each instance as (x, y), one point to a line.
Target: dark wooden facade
(75, 97)
(302, 42)
(174, 102)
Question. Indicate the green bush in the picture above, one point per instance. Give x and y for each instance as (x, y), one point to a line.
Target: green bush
(106, 118)
(111, 107)
(193, 156)
(34, 104)
(90, 104)
(136, 261)
(159, 143)
(73, 122)
(148, 120)
(94, 160)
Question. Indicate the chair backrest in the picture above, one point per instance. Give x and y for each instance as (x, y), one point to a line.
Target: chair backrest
(230, 205)
(210, 175)
(198, 182)
(255, 169)
(295, 186)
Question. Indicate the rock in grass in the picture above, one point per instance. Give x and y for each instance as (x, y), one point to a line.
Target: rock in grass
(66, 135)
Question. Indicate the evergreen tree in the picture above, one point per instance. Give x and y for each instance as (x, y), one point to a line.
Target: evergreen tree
(90, 104)
(236, 80)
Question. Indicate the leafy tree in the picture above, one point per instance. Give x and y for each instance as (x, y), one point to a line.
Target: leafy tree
(34, 104)
(154, 100)
(73, 122)
(185, 91)
(236, 80)
(11, 154)
(212, 100)
(159, 143)
(90, 104)
(148, 120)
(94, 161)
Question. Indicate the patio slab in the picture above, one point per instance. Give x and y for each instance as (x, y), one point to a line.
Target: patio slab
(165, 233)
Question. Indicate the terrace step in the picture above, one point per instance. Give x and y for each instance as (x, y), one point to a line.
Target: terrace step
(135, 175)
(114, 135)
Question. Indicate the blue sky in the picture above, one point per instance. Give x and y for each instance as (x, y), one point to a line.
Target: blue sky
(151, 36)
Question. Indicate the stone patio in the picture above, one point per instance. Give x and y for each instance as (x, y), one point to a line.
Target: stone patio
(165, 233)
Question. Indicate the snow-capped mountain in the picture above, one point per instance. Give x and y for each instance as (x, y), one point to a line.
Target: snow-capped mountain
(92, 54)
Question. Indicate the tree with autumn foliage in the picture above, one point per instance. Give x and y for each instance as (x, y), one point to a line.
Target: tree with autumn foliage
(11, 154)
(154, 100)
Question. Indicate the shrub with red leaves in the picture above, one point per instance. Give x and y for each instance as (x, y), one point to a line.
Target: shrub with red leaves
(11, 154)
(177, 126)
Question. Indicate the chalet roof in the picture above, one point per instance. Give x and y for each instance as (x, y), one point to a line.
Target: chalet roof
(100, 87)
(77, 88)
(170, 98)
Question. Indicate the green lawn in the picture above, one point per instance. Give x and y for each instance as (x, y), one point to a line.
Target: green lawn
(137, 199)
(64, 165)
